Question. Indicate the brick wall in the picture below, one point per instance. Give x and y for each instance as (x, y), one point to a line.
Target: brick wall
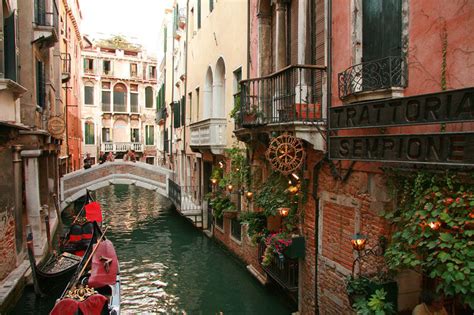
(346, 208)
(7, 221)
(244, 249)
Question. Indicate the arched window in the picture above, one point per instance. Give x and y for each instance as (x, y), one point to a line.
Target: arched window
(120, 98)
(208, 98)
(89, 137)
(218, 92)
(149, 97)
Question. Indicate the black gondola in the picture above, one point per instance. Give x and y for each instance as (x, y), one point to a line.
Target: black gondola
(53, 274)
(95, 287)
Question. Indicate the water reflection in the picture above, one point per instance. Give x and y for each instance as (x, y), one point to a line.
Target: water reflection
(169, 267)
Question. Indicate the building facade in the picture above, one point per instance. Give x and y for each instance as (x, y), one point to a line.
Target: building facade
(70, 18)
(118, 95)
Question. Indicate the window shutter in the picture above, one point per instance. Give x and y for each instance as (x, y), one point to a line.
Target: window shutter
(10, 47)
(199, 13)
(176, 114)
(183, 111)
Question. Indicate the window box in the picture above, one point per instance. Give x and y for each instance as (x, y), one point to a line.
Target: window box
(230, 214)
(296, 249)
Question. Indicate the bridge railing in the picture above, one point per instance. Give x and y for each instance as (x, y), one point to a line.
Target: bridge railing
(121, 146)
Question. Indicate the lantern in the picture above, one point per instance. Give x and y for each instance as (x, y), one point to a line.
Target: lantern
(214, 181)
(284, 211)
(230, 187)
(358, 241)
(249, 195)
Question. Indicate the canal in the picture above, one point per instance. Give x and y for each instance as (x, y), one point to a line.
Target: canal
(169, 267)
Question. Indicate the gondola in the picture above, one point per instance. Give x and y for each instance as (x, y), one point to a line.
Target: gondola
(53, 274)
(95, 287)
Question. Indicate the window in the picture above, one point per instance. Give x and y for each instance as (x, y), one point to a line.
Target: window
(134, 98)
(237, 79)
(150, 135)
(149, 97)
(166, 141)
(199, 14)
(177, 114)
(11, 52)
(150, 160)
(40, 84)
(120, 98)
(197, 104)
(190, 96)
(106, 96)
(106, 135)
(165, 39)
(88, 65)
(89, 94)
(220, 222)
(236, 229)
(135, 135)
(107, 67)
(89, 133)
(152, 72)
(183, 110)
(133, 70)
(211, 5)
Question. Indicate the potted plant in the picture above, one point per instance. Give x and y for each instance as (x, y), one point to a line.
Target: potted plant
(376, 304)
(363, 287)
(275, 243)
(221, 204)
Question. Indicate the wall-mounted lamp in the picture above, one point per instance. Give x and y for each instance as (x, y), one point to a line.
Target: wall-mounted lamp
(434, 225)
(284, 211)
(230, 187)
(293, 189)
(249, 195)
(214, 181)
(358, 241)
(221, 164)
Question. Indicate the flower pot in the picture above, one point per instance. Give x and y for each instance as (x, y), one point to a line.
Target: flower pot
(308, 111)
(230, 214)
(296, 249)
(274, 223)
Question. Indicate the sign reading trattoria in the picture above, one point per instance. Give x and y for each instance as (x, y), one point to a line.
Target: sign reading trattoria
(447, 106)
(440, 148)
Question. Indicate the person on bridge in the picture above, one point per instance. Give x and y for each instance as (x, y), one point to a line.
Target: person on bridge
(102, 157)
(87, 161)
(130, 156)
(110, 157)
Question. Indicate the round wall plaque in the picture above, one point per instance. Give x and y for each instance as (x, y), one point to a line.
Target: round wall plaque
(56, 126)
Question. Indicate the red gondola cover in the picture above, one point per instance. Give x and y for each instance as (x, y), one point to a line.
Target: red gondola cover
(93, 212)
(104, 267)
(92, 305)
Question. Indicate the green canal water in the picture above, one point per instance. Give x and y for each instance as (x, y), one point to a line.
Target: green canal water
(169, 267)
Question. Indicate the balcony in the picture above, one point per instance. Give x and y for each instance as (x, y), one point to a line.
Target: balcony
(292, 97)
(161, 115)
(209, 134)
(65, 67)
(283, 270)
(46, 28)
(121, 146)
(385, 76)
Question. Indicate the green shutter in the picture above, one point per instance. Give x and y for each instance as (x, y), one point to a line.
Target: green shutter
(199, 13)
(10, 48)
(183, 111)
(165, 40)
(89, 133)
(211, 5)
(176, 114)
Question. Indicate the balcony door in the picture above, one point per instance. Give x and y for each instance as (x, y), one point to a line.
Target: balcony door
(381, 43)
(120, 131)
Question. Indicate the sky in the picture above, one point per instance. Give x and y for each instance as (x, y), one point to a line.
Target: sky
(138, 20)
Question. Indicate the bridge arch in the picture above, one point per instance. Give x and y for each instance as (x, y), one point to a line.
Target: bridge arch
(151, 177)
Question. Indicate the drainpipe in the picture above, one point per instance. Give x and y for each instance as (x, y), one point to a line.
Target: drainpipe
(185, 93)
(316, 170)
(172, 98)
(18, 184)
(329, 69)
(248, 39)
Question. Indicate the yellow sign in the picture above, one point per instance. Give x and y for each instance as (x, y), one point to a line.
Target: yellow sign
(56, 127)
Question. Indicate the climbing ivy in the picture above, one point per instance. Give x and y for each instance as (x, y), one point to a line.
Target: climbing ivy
(434, 221)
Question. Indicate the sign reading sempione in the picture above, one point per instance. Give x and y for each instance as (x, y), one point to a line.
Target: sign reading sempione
(440, 148)
(448, 106)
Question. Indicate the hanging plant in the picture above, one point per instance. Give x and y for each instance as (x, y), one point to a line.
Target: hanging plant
(434, 222)
(274, 195)
(220, 204)
(257, 223)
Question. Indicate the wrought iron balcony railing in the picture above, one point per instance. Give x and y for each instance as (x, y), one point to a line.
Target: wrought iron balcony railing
(388, 72)
(289, 95)
(283, 270)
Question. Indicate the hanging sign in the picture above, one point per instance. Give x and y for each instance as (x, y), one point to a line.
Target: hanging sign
(56, 127)
(439, 148)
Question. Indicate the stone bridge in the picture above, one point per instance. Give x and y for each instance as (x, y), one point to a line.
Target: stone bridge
(74, 185)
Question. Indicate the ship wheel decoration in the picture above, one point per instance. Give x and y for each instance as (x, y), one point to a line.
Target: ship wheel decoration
(285, 154)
